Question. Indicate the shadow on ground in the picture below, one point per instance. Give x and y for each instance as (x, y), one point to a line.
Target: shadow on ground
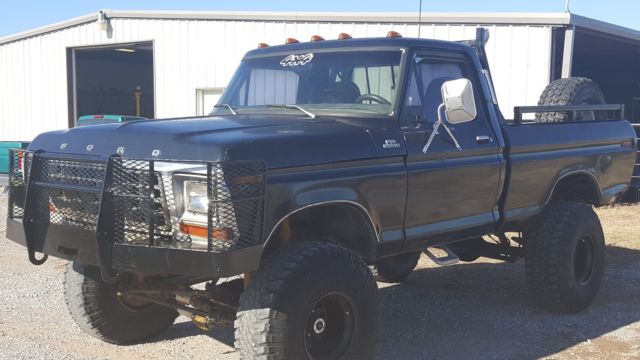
(482, 310)
(223, 334)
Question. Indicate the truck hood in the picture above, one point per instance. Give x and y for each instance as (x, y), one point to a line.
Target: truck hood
(282, 141)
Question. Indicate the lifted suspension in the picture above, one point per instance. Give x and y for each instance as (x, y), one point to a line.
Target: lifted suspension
(216, 305)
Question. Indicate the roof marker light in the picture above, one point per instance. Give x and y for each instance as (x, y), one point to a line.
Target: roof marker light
(291, 41)
(315, 38)
(394, 34)
(344, 36)
(262, 45)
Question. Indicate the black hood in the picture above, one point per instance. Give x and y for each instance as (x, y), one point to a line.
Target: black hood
(281, 141)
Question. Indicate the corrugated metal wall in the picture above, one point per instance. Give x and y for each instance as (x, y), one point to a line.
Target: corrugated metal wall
(191, 54)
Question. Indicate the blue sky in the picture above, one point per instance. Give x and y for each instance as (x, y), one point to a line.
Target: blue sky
(16, 16)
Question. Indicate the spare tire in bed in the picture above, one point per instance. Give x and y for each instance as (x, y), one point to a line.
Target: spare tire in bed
(571, 91)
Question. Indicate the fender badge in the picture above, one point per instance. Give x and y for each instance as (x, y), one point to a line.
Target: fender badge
(89, 147)
(63, 146)
(120, 150)
(389, 144)
(155, 153)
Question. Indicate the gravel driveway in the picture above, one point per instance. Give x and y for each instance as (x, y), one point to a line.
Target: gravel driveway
(479, 310)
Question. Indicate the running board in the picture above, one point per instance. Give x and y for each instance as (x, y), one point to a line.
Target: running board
(450, 259)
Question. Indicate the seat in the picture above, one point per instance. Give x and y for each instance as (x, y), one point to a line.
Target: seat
(433, 98)
(345, 91)
(340, 92)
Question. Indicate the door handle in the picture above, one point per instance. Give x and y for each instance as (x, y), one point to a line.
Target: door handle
(484, 139)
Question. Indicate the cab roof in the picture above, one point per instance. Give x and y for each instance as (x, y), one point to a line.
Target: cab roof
(360, 43)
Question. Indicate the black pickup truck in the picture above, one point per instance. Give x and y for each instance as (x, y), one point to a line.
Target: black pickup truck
(325, 166)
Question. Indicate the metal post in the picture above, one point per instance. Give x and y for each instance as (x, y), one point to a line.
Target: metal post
(210, 205)
(151, 200)
(12, 159)
(105, 226)
(138, 94)
(517, 116)
(419, 17)
(567, 54)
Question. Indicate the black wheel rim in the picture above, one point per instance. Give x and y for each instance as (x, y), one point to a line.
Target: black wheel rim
(329, 327)
(583, 259)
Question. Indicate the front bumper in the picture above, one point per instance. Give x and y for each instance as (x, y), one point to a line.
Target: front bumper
(108, 214)
(73, 246)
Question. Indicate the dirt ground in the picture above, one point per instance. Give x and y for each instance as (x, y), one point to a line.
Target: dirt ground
(479, 310)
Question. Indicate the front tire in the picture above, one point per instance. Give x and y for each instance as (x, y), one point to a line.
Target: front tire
(564, 257)
(98, 310)
(309, 300)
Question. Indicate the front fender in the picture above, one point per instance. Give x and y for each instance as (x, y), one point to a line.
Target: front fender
(377, 188)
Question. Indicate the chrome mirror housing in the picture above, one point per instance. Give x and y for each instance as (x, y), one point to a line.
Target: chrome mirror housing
(458, 100)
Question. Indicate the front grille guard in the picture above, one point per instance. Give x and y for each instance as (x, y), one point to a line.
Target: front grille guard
(120, 201)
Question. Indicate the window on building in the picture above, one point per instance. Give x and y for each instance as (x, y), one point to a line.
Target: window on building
(206, 98)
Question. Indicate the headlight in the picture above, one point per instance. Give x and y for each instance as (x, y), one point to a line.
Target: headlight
(195, 194)
(193, 212)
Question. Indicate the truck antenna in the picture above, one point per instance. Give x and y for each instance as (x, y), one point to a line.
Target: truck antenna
(566, 6)
(420, 16)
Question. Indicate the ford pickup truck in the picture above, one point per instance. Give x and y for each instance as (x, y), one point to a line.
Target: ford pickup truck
(324, 167)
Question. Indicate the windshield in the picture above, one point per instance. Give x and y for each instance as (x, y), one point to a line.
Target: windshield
(343, 83)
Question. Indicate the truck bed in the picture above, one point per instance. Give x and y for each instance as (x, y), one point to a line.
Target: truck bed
(541, 154)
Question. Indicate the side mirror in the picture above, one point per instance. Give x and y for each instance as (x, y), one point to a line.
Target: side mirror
(459, 102)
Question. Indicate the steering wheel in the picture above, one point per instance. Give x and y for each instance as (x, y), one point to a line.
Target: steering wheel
(372, 97)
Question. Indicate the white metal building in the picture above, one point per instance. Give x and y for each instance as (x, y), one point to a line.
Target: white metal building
(177, 63)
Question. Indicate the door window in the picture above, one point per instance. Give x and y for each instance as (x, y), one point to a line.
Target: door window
(423, 94)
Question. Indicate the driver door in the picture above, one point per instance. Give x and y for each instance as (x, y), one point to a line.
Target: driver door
(452, 194)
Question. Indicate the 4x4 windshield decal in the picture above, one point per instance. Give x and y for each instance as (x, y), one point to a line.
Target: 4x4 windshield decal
(296, 60)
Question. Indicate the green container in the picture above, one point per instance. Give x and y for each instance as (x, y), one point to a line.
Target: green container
(106, 119)
(4, 153)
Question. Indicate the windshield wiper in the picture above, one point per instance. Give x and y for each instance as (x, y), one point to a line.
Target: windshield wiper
(285, 106)
(233, 111)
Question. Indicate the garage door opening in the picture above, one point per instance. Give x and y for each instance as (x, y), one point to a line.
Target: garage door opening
(613, 63)
(114, 80)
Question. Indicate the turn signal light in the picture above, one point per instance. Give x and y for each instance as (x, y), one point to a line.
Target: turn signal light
(344, 36)
(248, 180)
(222, 234)
(627, 143)
(20, 155)
(291, 41)
(194, 230)
(394, 34)
(315, 38)
(262, 45)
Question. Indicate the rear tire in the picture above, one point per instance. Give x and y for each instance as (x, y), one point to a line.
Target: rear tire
(564, 257)
(98, 310)
(396, 268)
(309, 300)
(570, 91)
